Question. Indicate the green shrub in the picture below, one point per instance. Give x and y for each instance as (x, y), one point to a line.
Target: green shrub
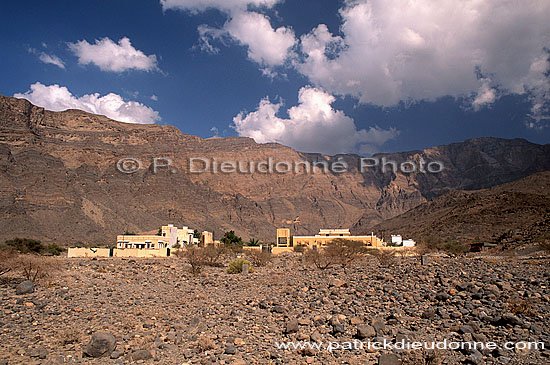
(54, 249)
(25, 245)
(230, 239)
(236, 266)
(253, 242)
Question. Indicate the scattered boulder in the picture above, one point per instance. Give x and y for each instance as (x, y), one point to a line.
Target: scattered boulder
(365, 331)
(101, 344)
(338, 328)
(291, 326)
(389, 359)
(39, 352)
(26, 287)
(141, 355)
(509, 318)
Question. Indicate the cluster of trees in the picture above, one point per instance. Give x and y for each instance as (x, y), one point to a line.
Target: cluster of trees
(27, 245)
(230, 239)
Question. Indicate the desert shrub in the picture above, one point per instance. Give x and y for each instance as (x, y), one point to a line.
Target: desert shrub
(35, 267)
(337, 252)
(405, 252)
(299, 248)
(8, 261)
(25, 245)
(384, 257)
(235, 248)
(195, 258)
(318, 259)
(259, 257)
(439, 244)
(213, 256)
(344, 252)
(236, 266)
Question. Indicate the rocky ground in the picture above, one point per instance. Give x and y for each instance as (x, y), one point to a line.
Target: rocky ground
(155, 311)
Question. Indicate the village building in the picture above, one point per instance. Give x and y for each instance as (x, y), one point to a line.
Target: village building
(284, 238)
(160, 245)
(398, 241)
(170, 237)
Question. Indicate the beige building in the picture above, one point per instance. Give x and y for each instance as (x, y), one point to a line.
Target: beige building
(145, 245)
(207, 239)
(170, 237)
(284, 238)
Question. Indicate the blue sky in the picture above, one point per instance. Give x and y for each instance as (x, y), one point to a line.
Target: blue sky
(320, 76)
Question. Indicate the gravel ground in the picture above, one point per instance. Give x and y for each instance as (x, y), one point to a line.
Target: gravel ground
(159, 313)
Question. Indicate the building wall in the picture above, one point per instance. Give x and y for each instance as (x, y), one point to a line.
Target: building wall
(207, 239)
(105, 252)
(185, 235)
(87, 252)
(396, 239)
(319, 241)
(134, 252)
(283, 238)
(147, 242)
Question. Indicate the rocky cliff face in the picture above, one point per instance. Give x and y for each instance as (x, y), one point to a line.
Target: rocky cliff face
(59, 180)
(511, 214)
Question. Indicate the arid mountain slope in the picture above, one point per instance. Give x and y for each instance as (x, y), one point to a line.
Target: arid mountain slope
(516, 212)
(59, 180)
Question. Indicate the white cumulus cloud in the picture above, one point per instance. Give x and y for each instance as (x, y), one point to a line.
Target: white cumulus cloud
(59, 98)
(486, 95)
(110, 56)
(313, 126)
(224, 5)
(267, 46)
(51, 59)
(399, 50)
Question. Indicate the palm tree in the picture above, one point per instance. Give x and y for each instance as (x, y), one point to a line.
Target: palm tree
(254, 242)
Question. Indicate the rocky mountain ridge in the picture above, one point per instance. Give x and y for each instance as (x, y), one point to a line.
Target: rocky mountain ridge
(510, 214)
(59, 180)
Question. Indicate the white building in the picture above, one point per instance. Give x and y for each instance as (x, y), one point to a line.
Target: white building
(397, 240)
(409, 243)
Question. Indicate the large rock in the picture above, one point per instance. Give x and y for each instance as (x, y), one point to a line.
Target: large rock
(388, 359)
(141, 355)
(25, 287)
(291, 326)
(101, 344)
(365, 331)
